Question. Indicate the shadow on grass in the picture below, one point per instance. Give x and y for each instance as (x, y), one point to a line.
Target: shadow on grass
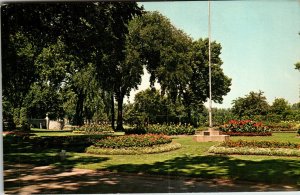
(25, 152)
(275, 171)
(58, 180)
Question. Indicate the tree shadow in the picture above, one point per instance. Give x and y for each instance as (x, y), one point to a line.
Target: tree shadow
(274, 171)
(58, 180)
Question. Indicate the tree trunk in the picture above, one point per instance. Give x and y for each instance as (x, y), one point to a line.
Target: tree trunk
(78, 118)
(189, 112)
(120, 99)
(112, 111)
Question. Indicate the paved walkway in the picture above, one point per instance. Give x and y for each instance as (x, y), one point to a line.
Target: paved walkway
(26, 179)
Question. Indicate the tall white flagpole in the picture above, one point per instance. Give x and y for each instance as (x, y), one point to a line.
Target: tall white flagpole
(209, 64)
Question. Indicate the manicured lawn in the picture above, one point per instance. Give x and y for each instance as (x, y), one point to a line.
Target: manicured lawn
(191, 159)
(281, 137)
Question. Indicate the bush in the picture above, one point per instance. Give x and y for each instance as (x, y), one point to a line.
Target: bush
(171, 129)
(94, 129)
(127, 141)
(135, 130)
(247, 127)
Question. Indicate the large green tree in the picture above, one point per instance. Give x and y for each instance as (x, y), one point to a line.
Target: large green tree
(255, 103)
(197, 89)
(45, 37)
(176, 62)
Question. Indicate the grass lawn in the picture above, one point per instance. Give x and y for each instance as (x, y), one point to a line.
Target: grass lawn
(191, 159)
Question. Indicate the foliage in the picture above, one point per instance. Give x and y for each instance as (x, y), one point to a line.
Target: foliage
(94, 129)
(297, 66)
(252, 104)
(171, 129)
(134, 150)
(128, 141)
(221, 116)
(281, 107)
(138, 130)
(281, 126)
(59, 47)
(260, 144)
(235, 127)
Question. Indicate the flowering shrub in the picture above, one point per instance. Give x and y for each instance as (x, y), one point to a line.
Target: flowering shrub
(127, 141)
(94, 129)
(259, 144)
(171, 129)
(244, 127)
(281, 126)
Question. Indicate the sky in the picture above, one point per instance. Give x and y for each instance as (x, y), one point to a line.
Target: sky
(260, 43)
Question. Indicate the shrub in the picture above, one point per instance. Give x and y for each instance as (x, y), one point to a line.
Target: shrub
(136, 130)
(247, 127)
(127, 141)
(94, 129)
(171, 129)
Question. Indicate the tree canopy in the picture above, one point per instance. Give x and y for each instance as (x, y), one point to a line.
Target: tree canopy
(74, 60)
(255, 103)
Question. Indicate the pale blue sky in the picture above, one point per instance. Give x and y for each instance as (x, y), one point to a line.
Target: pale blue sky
(259, 38)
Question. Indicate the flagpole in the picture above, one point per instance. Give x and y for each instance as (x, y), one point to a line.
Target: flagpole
(209, 64)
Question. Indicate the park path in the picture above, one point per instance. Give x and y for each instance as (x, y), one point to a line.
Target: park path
(27, 179)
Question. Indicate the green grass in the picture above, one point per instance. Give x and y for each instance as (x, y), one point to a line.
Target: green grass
(191, 159)
(281, 137)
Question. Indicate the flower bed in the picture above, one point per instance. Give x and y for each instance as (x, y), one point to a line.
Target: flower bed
(133, 150)
(270, 148)
(259, 144)
(133, 144)
(245, 128)
(127, 141)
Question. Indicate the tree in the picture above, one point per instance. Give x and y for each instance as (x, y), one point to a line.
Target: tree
(118, 71)
(66, 36)
(197, 89)
(297, 66)
(150, 104)
(252, 104)
(280, 106)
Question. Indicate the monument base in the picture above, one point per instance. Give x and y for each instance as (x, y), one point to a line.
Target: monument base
(211, 136)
